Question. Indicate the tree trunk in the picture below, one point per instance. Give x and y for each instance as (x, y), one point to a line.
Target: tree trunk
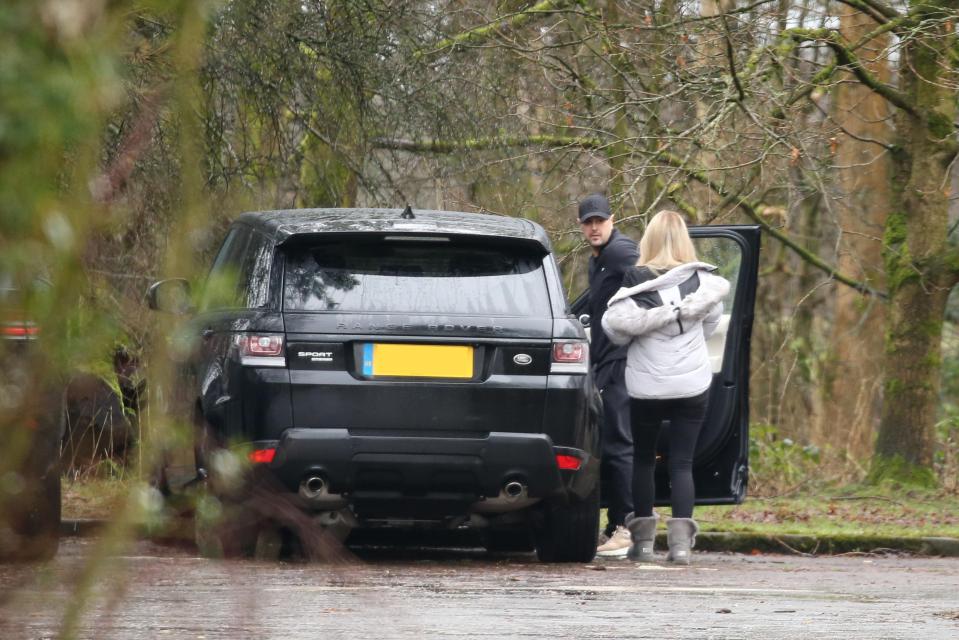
(920, 267)
(852, 372)
(800, 408)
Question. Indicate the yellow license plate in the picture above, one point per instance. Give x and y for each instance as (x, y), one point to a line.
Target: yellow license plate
(418, 360)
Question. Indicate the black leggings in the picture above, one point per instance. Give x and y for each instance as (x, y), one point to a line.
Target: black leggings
(685, 417)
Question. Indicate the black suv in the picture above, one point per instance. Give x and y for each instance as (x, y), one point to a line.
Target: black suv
(388, 367)
(31, 421)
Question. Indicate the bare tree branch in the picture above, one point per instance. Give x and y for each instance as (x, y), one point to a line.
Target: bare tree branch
(752, 211)
(497, 142)
(875, 9)
(518, 19)
(846, 58)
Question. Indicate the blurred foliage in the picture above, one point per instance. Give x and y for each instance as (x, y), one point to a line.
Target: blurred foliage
(57, 84)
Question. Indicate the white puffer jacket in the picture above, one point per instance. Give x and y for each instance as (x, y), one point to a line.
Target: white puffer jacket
(667, 356)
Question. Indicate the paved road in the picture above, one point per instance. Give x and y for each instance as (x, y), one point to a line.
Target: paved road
(149, 591)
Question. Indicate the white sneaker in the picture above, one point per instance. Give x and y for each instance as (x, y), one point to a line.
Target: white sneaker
(617, 545)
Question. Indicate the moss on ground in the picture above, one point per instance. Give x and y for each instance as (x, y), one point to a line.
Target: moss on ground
(832, 515)
(853, 511)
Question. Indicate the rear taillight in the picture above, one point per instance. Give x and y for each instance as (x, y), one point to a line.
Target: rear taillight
(261, 349)
(570, 356)
(19, 330)
(567, 462)
(262, 456)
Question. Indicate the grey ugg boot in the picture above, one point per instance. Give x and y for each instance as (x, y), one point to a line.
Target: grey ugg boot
(643, 532)
(681, 537)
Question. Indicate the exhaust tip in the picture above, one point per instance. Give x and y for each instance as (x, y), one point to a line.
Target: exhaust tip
(514, 489)
(312, 487)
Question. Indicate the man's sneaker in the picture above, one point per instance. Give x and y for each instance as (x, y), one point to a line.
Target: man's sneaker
(617, 545)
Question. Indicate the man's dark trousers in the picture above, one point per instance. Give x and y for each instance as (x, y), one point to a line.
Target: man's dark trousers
(616, 470)
(609, 370)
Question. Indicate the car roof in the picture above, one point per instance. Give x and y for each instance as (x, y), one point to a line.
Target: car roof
(286, 224)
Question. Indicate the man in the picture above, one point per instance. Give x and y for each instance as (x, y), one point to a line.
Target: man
(613, 254)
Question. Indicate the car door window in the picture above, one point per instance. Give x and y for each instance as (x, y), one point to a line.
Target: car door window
(726, 254)
(240, 276)
(222, 290)
(253, 282)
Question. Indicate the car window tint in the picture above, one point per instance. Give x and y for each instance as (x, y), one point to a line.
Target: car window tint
(222, 288)
(253, 283)
(415, 277)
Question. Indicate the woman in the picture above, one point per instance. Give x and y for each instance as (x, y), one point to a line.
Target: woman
(666, 308)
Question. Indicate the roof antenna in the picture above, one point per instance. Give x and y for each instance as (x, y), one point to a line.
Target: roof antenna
(407, 213)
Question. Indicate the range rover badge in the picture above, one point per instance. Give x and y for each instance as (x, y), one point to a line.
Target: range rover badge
(522, 359)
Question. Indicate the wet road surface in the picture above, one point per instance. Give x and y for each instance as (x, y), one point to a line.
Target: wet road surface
(151, 591)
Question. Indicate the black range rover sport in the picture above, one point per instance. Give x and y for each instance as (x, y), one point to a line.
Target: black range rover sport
(388, 367)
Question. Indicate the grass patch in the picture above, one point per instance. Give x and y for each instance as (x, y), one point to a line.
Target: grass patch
(850, 511)
(91, 497)
(837, 511)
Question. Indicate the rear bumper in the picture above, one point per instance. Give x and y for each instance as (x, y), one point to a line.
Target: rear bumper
(389, 473)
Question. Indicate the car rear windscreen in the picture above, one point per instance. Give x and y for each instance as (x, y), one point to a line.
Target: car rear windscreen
(415, 276)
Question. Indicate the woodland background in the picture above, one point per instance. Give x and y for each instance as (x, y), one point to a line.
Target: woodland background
(133, 131)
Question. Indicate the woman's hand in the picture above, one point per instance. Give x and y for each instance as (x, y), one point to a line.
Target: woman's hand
(698, 304)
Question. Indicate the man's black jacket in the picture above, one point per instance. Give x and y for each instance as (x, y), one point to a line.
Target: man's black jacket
(605, 276)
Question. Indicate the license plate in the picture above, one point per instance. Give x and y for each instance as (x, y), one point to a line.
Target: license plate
(418, 360)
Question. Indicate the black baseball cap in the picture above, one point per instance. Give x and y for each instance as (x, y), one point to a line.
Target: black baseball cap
(594, 206)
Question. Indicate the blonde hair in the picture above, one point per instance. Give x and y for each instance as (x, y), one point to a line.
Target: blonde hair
(666, 242)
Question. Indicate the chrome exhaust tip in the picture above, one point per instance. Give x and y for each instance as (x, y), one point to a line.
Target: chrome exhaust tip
(514, 489)
(313, 487)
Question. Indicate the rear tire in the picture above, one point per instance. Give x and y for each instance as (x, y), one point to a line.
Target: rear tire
(224, 524)
(223, 529)
(568, 532)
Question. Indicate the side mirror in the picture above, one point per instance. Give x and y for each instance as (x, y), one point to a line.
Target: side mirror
(172, 296)
(584, 319)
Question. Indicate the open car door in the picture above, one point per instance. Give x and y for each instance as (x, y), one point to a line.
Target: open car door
(721, 464)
